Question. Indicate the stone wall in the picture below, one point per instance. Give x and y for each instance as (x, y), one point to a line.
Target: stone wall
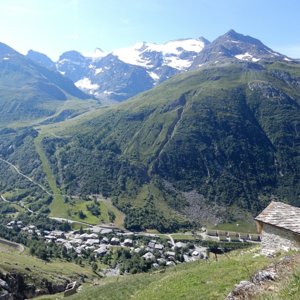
(275, 239)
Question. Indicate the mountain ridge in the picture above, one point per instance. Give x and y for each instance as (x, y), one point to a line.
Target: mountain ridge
(157, 62)
(27, 89)
(210, 137)
(210, 144)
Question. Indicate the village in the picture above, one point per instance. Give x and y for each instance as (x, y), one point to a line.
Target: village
(159, 250)
(117, 251)
(167, 249)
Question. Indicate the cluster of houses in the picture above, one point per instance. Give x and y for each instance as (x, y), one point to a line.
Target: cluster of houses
(278, 229)
(101, 241)
(167, 255)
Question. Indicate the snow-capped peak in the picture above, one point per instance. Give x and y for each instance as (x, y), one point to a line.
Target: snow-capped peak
(140, 53)
(132, 55)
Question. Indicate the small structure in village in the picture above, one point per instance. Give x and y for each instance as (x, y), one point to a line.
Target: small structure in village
(279, 224)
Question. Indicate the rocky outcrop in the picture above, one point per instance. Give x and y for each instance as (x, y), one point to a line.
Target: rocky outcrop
(17, 286)
(263, 280)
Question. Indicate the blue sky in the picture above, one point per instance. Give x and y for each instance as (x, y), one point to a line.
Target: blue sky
(55, 26)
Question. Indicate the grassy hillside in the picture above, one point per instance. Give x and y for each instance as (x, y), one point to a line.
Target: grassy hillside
(31, 93)
(225, 134)
(205, 147)
(31, 271)
(199, 280)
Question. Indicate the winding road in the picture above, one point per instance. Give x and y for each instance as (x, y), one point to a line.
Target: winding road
(21, 204)
(25, 176)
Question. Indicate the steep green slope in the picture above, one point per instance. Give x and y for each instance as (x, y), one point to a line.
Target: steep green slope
(200, 145)
(29, 91)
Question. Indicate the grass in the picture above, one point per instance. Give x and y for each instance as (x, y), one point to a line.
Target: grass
(36, 269)
(245, 227)
(58, 207)
(9, 195)
(7, 249)
(79, 107)
(82, 206)
(290, 289)
(105, 207)
(287, 287)
(78, 226)
(198, 280)
(182, 236)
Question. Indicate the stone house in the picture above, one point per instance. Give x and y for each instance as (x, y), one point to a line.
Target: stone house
(279, 226)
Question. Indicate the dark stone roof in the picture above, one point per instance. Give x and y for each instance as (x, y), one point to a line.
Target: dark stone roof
(281, 215)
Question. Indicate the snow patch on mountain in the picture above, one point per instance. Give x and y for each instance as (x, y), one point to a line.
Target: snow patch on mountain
(99, 70)
(86, 84)
(179, 64)
(132, 55)
(153, 75)
(247, 56)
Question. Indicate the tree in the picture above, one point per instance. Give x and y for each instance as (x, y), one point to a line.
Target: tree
(94, 267)
(81, 214)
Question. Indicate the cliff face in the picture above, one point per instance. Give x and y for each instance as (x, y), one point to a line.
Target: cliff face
(20, 286)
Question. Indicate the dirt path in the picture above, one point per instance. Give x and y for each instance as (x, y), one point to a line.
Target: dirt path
(19, 247)
(70, 221)
(25, 176)
(171, 238)
(2, 197)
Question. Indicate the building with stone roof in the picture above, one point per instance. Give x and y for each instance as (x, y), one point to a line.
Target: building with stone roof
(279, 226)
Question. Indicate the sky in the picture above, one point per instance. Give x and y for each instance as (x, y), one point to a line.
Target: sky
(55, 26)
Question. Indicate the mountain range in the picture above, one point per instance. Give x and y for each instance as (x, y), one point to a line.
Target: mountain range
(214, 143)
(125, 72)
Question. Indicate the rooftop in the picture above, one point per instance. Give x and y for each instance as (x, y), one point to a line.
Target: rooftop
(281, 215)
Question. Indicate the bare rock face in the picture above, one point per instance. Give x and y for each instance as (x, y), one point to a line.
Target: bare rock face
(13, 286)
(247, 289)
(264, 275)
(262, 280)
(243, 290)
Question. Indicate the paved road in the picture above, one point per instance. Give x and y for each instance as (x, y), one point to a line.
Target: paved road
(25, 176)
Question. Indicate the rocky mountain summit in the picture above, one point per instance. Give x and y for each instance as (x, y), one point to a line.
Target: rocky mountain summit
(125, 72)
